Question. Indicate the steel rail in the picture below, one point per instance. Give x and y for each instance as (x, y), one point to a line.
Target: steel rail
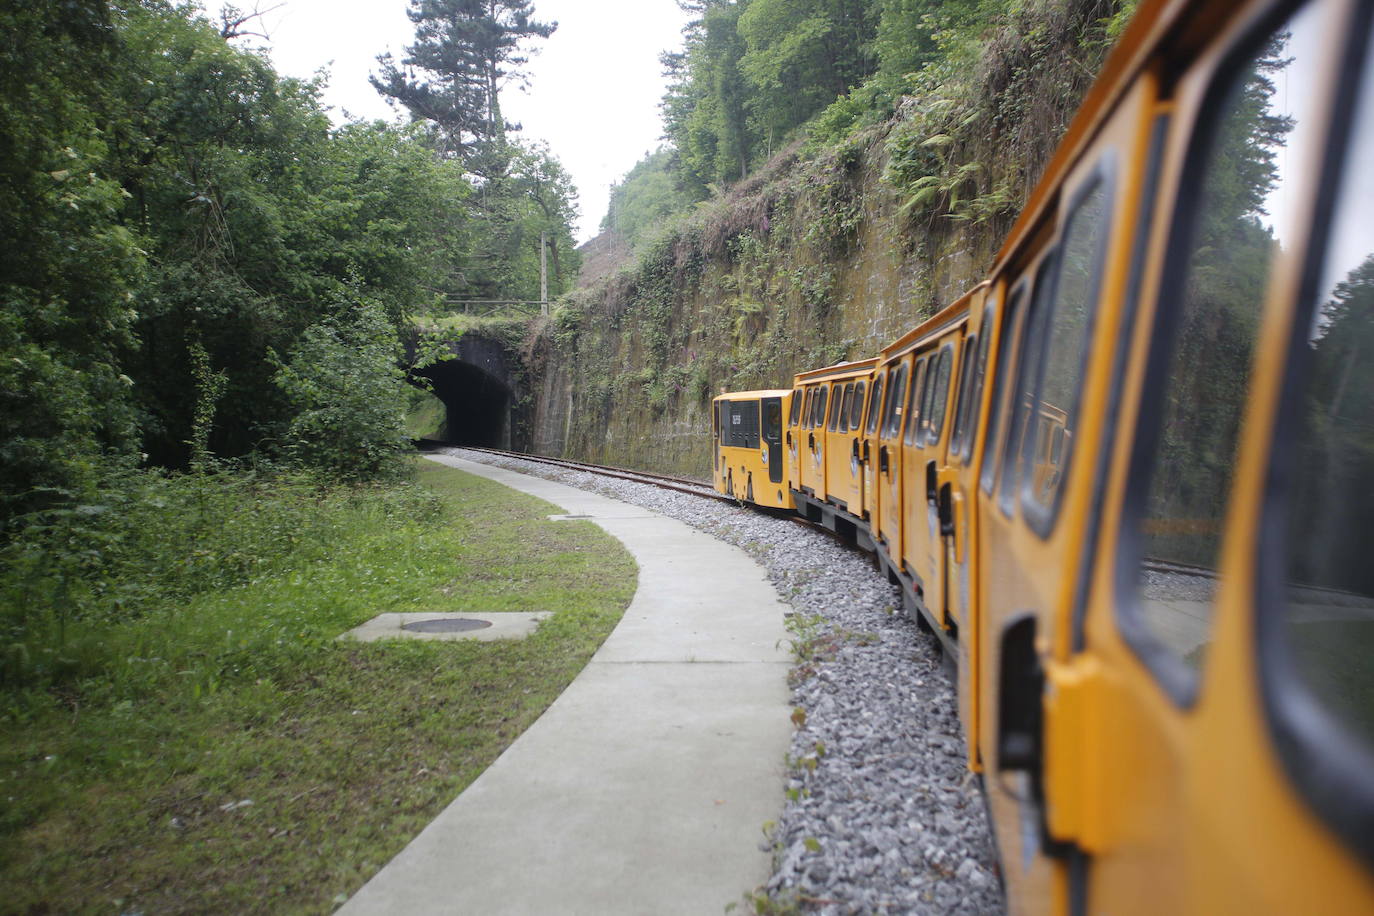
(663, 481)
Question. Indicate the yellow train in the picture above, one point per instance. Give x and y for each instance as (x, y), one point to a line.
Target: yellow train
(1127, 478)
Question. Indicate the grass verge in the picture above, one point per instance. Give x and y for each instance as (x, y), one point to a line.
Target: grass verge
(234, 757)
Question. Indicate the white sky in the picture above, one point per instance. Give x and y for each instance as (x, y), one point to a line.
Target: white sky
(594, 85)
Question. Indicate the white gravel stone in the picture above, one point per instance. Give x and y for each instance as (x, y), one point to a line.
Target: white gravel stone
(881, 815)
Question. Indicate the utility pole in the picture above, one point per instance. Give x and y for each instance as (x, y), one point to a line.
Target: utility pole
(544, 273)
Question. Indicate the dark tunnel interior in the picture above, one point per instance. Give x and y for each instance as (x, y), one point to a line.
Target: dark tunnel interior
(477, 404)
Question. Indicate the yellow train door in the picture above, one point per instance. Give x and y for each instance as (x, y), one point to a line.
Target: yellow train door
(1205, 747)
(868, 448)
(915, 536)
(889, 482)
(793, 438)
(839, 472)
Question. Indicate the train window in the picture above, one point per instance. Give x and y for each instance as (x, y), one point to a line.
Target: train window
(980, 371)
(893, 421)
(961, 410)
(1022, 400)
(1064, 355)
(1232, 222)
(856, 410)
(795, 414)
(848, 407)
(818, 409)
(875, 404)
(836, 408)
(1011, 328)
(939, 396)
(913, 403)
(1317, 625)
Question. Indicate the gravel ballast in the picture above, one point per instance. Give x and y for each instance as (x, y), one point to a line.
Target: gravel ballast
(881, 815)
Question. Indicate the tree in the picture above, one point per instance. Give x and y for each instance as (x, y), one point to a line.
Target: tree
(465, 50)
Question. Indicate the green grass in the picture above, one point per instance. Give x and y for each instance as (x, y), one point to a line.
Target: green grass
(426, 416)
(113, 784)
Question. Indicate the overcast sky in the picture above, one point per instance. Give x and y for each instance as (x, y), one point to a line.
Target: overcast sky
(594, 86)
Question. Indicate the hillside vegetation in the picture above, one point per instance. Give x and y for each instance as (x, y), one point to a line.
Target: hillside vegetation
(839, 169)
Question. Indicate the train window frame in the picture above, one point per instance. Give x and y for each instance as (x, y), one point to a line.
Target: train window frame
(856, 409)
(1009, 327)
(836, 408)
(1014, 447)
(1332, 768)
(794, 414)
(968, 355)
(892, 421)
(914, 395)
(846, 407)
(818, 408)
(938, 415)
(875, 404)
(1042, 517)
(1180, 683)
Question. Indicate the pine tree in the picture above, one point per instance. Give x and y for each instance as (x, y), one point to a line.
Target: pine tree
(464, 51)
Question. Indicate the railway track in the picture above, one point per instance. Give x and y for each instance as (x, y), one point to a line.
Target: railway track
(663, 481)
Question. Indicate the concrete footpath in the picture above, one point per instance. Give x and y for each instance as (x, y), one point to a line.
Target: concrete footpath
(644, 787)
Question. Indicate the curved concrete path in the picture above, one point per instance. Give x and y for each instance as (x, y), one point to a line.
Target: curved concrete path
(644, 787)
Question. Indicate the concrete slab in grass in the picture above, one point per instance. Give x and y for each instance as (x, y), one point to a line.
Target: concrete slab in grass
(479, 626)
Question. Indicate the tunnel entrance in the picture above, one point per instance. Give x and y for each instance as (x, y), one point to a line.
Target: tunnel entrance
(477, 404)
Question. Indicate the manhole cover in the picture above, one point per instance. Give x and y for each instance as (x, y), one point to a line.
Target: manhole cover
(446, 625)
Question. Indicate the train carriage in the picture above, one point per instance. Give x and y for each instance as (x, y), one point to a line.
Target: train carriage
(748, 454)
(1127, 479)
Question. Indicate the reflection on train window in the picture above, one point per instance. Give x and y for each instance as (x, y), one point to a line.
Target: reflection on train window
(1329, 620)
(1023, 390)
(1070, 314)
(1011, 328)
(1207, 327)
(818, 408)
(939, 397)
(875, 405)
(795, 414)
(856, 410)
(893, 421)
(913, 403)
(848, 409)
(968, 366)
(836, 408)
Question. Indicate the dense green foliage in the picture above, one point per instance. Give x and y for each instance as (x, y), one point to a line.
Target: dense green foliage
(645, 197)
(184, 231)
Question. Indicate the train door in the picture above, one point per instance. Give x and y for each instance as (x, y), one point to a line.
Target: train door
(771, 433)
(935, 473)
(889, 485)
(1210, 721)
(837, 464)
(855, 496)
(793, 438)
(956, 505)
(815, 440)
(869, 446)
(915, 543)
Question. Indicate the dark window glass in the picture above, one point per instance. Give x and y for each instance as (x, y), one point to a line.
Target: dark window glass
(795, 414)
(818, 417)
(875, 405)
(772, 420)
(893, 422)
(1023, 394)
(914, 414)
(939, 397)
(1006, 349)
(1068, 320)
(856, 410)
(1329, 598)
(848, 407)
(1206, 329)
(836, 408)
(965, 392)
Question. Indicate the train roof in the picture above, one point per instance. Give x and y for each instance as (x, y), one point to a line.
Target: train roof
(753, 395)
(857, 367)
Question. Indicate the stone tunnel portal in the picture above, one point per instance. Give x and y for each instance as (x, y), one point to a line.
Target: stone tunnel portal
(477, 404)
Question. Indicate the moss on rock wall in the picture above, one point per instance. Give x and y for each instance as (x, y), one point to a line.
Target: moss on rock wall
(818, 257)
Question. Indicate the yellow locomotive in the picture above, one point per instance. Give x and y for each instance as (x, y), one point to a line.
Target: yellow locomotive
(1127, 478)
